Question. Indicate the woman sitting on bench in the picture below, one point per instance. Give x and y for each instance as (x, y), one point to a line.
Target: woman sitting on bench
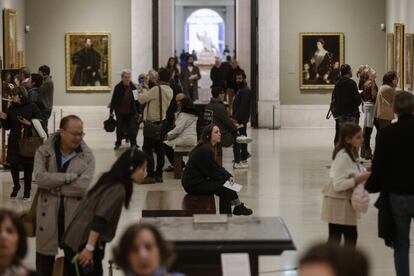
(204, 176)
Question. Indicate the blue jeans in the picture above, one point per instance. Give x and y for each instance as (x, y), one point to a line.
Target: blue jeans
(240, 150)
(402, 208)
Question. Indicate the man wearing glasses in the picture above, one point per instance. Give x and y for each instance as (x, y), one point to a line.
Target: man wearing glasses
(64, 167)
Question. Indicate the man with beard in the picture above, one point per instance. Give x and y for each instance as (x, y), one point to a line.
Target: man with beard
(241, 114)
(189, 79)
(87, 62)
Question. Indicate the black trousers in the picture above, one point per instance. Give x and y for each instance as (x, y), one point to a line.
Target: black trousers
(44, 264)
(226, 196)
(93, 270)
(169, 152)
(126, 123)
(150, 146)
(340, 121)
(28, 171)
(336, 231)
(367, 137)
(240, 150)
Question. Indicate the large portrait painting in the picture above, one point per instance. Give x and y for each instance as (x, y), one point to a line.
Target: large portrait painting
(390, 51)
(321, 55)
(10, 38)
(399, 53)
(88, 61)
(409, 45)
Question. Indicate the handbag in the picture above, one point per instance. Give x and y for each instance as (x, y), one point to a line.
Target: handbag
(59, 267)
(155, 130)
(110, 124)
(28, 217)
(332, 107)
(29, 142)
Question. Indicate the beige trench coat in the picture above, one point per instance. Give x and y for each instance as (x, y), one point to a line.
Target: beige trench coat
(336, 204)
(384, 105)
(52, 184)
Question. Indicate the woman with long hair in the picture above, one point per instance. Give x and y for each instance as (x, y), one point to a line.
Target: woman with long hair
(96, 219)
(13, 245)
(369, 88)
(143, 251)
(20, 116)
(204, 176)
(345, 174)
(174, 69)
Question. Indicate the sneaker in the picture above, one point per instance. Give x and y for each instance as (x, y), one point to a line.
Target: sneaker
(244, 139)
(15, 192)
(241, 210)
(158, 179)
(148, 180)
(27, 197)
(240, 166)
(245, 162)
(169, 169)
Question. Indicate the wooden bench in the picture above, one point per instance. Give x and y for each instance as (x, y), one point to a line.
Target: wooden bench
(179, 153)
(177, 204)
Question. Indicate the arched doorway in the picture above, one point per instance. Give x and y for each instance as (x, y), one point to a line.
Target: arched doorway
(204, 28)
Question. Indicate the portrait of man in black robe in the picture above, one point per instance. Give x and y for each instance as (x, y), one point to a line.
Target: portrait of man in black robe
(88, 62)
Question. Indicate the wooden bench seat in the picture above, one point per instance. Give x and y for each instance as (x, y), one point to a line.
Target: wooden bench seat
(179, 153)
(177, 204)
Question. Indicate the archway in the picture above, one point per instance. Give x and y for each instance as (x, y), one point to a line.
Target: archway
(208, 24)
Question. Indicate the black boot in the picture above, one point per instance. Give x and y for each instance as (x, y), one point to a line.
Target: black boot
(15, 191)
(241, 210)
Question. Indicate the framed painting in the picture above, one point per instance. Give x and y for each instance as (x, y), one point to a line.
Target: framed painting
(321, 55)
(88, 61)
(10, 38)
(390, 51)
(399, 54)
(409, 45)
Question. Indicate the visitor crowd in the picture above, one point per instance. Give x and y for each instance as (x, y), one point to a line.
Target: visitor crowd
(82, 222)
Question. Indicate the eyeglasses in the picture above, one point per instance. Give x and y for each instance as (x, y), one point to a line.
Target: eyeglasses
(76, 135)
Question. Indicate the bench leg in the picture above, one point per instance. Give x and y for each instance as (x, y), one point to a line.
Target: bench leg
(178, 159)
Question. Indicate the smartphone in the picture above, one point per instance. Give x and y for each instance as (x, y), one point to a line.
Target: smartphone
(142, 82)
(19, 117)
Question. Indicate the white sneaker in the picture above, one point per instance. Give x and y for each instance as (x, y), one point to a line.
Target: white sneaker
(240, 166)
(27, 198)
(244, 139)
(245, 162)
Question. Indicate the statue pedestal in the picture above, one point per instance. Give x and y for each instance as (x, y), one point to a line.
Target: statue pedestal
(206, 58)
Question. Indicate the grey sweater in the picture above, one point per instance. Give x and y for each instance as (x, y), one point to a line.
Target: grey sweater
(99, 212)
(46, 92)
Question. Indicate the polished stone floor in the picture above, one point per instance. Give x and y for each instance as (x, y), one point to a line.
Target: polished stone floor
(287, 170)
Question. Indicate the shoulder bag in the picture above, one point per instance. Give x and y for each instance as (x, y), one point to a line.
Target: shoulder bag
(29, 142)
(155, 130)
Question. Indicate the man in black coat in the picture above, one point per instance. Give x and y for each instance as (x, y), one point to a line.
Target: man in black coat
(123, 103)
(345, 100)
(392, 175)
(88, 62)
(221, 117)
(241, 113)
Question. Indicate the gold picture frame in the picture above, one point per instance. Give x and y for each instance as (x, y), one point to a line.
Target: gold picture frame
(389, 46)
(10, 38)
(88, 61)
(409, 58)
(399, 53)
(21, 60)
(321, 54)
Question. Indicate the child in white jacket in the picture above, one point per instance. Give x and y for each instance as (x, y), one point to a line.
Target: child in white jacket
(345, 175)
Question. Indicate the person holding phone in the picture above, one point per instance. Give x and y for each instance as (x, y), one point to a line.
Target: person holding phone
(19, 115)
(204, 176)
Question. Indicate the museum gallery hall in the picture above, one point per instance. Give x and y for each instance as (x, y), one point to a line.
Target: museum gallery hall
(207, 137)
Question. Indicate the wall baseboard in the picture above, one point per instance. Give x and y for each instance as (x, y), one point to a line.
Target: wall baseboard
(305, 116)
(291, 116)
